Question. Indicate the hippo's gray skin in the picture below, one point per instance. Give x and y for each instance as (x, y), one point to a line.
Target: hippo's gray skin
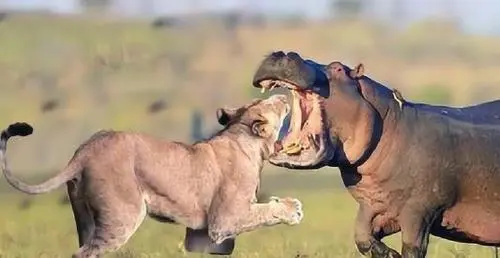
(415, 168)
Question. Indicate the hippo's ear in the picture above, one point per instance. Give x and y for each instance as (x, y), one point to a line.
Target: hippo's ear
(358, 71)
(224, 115)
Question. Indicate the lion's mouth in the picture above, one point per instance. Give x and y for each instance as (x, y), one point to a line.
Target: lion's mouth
(305, 132)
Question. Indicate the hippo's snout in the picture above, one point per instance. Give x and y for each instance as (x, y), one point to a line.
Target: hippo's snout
(292, 68)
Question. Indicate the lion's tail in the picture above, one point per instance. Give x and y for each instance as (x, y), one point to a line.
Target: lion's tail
(24, 129)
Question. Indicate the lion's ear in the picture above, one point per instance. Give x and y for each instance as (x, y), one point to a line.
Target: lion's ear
(260, 128)
(224, 115)
(358, 71)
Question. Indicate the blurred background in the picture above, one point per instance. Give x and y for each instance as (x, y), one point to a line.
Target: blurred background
(72, 67)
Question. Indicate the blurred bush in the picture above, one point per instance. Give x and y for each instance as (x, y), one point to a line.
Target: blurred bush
(434, 93)
(71, 76)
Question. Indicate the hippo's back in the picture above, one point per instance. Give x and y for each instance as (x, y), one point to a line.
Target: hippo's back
(483, 113)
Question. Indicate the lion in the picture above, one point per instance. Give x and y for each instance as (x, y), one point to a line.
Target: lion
(115, 179)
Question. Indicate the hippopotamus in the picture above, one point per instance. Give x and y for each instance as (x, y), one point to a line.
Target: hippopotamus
(414, 168)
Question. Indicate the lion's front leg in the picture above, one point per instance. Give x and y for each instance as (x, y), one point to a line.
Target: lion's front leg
(229, 223)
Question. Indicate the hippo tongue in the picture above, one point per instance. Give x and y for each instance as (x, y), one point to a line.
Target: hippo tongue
(290, 142)
(296, 119)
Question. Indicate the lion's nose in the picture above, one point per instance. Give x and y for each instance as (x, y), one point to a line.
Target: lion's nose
(287, 108)
(278, 146)
(281, 97)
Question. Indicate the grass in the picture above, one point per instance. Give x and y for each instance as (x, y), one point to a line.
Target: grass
(45, 228)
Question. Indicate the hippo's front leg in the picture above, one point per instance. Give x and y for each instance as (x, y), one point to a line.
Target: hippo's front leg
(367, 243)
(415, 228)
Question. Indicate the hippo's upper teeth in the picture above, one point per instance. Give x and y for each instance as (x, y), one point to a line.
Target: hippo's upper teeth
(263, 90)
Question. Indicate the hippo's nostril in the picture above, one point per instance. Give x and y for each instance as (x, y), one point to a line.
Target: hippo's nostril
(278, 54)
(294, 56)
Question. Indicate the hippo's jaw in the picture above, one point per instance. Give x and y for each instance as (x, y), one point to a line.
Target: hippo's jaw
(307, 144)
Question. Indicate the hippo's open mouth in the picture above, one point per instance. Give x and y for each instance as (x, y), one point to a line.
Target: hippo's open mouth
(306, 124)
(306, 145)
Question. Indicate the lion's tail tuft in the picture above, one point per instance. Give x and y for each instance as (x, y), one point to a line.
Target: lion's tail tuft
(24, 129)
(20, 129)
(16, 129)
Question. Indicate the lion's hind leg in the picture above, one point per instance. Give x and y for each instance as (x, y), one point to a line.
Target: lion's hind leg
(83, 216)
(112, 232)
(117, 216)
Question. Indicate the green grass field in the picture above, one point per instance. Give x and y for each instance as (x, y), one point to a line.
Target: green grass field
(46, 229)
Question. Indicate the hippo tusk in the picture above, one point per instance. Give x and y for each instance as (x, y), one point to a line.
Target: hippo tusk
(312, 140)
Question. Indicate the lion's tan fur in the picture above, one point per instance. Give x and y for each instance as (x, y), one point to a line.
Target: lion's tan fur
(116, 178)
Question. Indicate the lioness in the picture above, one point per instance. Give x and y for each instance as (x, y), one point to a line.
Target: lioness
(115, 178)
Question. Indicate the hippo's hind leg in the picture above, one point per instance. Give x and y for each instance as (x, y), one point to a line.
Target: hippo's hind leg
(368, 243)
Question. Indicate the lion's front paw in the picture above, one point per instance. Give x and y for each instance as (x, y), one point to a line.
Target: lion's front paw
(288, 210)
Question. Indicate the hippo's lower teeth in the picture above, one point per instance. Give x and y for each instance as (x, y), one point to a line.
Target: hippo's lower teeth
(312, 140)
(293, 148)
(306, 145)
